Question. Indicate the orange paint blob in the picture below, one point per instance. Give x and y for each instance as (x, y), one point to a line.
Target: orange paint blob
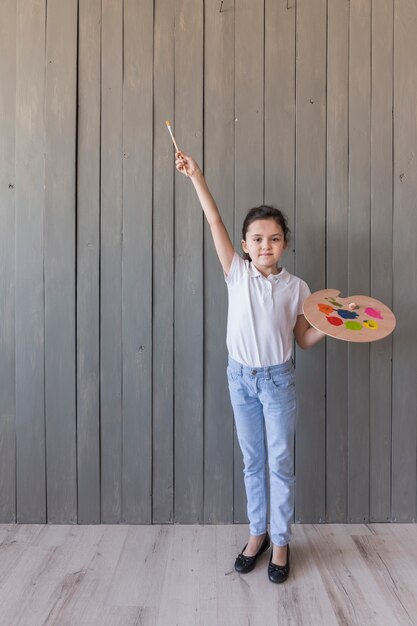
(326, 309)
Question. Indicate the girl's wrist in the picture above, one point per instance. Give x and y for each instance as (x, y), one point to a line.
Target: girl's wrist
(197, 175)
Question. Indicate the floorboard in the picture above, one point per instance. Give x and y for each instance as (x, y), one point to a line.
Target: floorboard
(168, 575)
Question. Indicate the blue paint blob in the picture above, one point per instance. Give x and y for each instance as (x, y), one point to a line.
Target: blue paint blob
(347, 315)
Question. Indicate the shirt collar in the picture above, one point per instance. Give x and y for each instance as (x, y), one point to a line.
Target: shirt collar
(254, 273)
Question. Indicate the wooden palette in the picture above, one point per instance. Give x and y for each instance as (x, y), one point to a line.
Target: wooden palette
(356, 318)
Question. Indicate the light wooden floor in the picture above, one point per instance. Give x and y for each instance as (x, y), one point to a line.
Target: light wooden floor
(168, 575)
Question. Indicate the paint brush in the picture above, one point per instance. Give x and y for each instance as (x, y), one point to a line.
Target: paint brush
(175, 143)
(172, 135)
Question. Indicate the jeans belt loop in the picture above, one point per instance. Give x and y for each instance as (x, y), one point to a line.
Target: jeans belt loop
(267, 373)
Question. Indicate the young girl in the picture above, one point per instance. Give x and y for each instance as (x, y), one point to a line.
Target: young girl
(265, 309)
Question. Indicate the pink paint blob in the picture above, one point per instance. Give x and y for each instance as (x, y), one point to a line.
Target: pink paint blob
(336, 321)
(374, 313)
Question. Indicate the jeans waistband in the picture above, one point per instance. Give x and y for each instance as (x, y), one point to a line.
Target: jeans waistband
(266, 371)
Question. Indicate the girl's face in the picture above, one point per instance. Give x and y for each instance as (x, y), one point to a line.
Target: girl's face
(265, 244)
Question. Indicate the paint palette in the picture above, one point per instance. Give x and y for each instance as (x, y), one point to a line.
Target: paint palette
(356, 318)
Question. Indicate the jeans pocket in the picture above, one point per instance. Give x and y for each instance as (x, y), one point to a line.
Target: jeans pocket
(283, 381)
(232, 374)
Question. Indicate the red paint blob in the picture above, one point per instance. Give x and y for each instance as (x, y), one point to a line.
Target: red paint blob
(336, 321)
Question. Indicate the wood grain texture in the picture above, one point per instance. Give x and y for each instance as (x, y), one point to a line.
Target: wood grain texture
(359, 253)
(340, 574)
(249, 110)
(7, 265)
(310, 251)
(163, 270)
(111, 261)
(337, 216)
(113, 302)
(279, 117)
(29, 241)
(59, 260)
(404, 400)
(188, 229)
(249, 149)
(279, 122)
(137, 262)
(88, 263)
(326, 310)
(381, 255)
(219, 127)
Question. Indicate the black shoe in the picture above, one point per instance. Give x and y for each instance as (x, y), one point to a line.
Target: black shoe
(279, 573)
(245, 564)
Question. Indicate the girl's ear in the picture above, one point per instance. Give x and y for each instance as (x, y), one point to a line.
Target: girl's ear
(244, 246)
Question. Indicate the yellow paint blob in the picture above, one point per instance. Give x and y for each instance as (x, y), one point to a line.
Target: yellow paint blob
(370, 324)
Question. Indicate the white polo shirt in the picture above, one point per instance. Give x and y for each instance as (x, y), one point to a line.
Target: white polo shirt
(262, 313)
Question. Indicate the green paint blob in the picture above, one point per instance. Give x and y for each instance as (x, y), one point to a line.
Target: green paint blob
(353, 325)
(334, 302)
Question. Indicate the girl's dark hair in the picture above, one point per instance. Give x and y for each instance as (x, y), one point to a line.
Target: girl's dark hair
(264, 212)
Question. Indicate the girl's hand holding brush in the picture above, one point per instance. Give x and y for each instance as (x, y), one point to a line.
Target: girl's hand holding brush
(186, 164)
(183, 163)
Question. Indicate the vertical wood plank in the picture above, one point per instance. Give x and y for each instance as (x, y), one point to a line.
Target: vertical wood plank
(249, 110)
(359, 252)
(163, 272)
(249, 152)
(279, 116)
(29, 303)
(261, 144)
(280, 113)
(59, 260)
(381, 256)
(111, 261)
(137, 262)
(310, 251)
(189, 357)
(337, 255)
(88, 263)
(219, 172)
(7, 261)
(404, 403)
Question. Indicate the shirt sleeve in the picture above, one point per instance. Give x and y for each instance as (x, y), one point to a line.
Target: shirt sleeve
(236, 269)
(304, 292)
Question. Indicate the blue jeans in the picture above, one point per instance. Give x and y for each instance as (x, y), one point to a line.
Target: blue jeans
(264, 403)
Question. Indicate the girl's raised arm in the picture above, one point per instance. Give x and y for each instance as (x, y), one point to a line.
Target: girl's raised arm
(224, 247)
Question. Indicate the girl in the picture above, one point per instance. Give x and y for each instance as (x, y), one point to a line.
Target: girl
(265, 309)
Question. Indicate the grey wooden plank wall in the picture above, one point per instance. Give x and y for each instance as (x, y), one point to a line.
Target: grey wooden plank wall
(113, 396)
